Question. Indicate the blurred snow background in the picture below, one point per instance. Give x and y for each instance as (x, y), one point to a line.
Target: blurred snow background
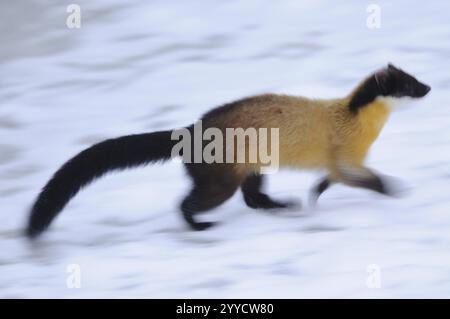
(137, 66)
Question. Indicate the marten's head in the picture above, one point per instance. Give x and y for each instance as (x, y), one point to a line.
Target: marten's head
(390, 82)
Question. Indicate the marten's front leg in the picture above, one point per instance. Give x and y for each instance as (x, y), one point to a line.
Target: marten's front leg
(320, 187)
(363, 177)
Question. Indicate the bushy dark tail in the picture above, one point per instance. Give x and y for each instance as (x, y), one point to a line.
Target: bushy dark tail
(119, 153)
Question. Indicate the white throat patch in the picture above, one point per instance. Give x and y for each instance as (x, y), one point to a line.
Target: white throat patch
(395, 103)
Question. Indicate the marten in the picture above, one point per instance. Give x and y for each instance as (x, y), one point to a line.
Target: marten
(328, 134)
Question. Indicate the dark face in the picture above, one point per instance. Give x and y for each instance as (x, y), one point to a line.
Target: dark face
(397, 83)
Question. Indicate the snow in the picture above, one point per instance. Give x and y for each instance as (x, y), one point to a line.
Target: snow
(144, 66)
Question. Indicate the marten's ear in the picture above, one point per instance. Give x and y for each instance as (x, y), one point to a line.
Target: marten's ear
(383, 80)
(391, 66)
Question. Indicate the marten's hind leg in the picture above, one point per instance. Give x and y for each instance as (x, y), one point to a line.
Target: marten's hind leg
(212, 186)
(255, 198)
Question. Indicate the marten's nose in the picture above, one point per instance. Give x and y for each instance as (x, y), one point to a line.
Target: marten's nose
(423, 90)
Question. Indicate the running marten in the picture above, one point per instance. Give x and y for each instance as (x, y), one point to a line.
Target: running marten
(330, 134)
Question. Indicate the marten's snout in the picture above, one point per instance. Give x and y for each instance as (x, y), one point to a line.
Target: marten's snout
(423, 90)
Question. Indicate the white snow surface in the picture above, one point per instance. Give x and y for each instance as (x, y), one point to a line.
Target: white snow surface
(139, 66)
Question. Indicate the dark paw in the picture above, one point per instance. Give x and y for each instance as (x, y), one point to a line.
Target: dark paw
(199, 226)
(393, 187)
(317, 190)
(263, 201)
(189, 217)
(288, 204)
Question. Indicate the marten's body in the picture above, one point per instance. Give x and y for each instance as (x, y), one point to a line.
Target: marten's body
(334, 135)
